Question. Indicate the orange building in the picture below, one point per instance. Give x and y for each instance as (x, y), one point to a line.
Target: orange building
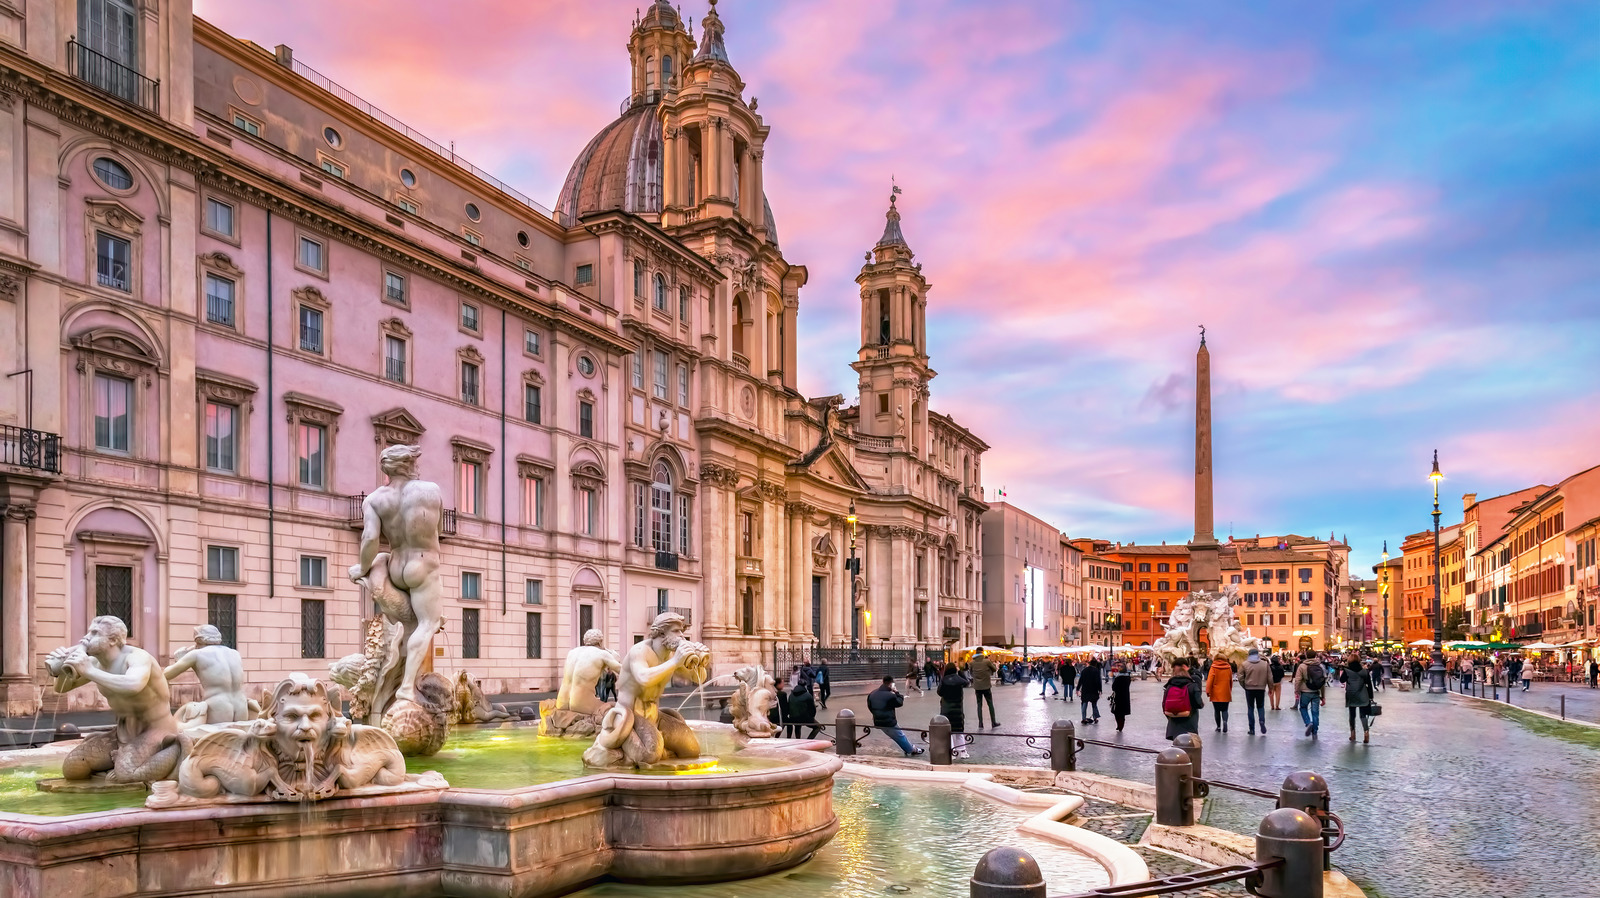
(1416, 607)
(1154, 578)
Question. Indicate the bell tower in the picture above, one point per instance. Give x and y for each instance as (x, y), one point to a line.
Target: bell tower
(893, 359)
(658, 49)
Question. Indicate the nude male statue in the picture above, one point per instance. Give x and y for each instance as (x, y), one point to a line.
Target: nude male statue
(144, 747)
(404, 582)
(221, 674)
(585, 665)
(646, 671)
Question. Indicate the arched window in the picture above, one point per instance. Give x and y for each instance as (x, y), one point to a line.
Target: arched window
(660, 299)
(738, 324)
(661, 507)
(666, 72)
(649, 73)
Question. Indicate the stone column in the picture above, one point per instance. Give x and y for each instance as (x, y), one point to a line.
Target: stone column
(16, 617)
(799, 593)
(669, 168)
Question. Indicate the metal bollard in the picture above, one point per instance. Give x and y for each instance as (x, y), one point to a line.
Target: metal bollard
(1563, 706)
(1295, 837)
(1307, 791)
(845, 732)
(1190, 743)
(1007, 872)
(939, 741)
(1174, 788)
(1063, 746)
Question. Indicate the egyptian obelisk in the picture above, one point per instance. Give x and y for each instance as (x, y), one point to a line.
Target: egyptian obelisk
(1205, 572)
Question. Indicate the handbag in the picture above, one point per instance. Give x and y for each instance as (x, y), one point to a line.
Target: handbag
(1374, 710)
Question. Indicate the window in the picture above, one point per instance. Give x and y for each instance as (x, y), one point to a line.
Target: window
(222, 564)
(1127, 584)
(331, 167)
(1283, 620)
(584, 275)
(585, 366)
(586, 420)
(683, 305)
(1183, 585)
(684, 519)
(638, 279)
(394, 358)
(1249, 620)
(253, 128)
(1305, 575)
(113, 413)
(683, 385)
(332, 136)
(588, 511)
(533, 592)
(585, 620)
(532, 407)
(311, 453)
(469, 488)
(1164, 585)
(469, 633)
(1144, 584)
(747, 534)
(113, 593)
(663, 599)
(661, 507)
(113, 174)
(636, 366)
(219, 217)
(535, 634)
(1250, 577)
(660, 300)
(221, 437)
(219, 300)
(533, 501)
(523, 241)
(471, 236)
(394, 288)
(639, 506)
(1161, 568)
(408, 177)
(313, 255)
(658, 374)
(471, 585)
(469, 383)
(1183, 568)
(1305, 619)
(314, 571)
(222, 612)
(113, 260)
(408, 207)
(530, 342)
(1305, 597)
(1144, 568)
(883, 403)
(310, 329)
(472, 211)
(469, 317)
(1234, 579)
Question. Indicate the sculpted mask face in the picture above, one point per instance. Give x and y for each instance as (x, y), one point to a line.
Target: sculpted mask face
(301, 718)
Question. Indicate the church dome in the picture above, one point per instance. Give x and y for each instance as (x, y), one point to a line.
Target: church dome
(619, 169)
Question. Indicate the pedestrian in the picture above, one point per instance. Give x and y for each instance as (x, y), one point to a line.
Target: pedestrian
(1121, 702)
(1047, 679)
(982, 672)
(824, 684)
(1465, 669)
(913, 676)
(1594, 673)
(1310, 679)
(930, 671)
(1358, 695)
(802, 710)
(952, 688)
(1275, 687)
(1181, 701)
(882, 702)
(608, 686)
(1416, 674)
(1069, 676)
(1527, 676)
(1089, 690)
(1219, 688)
(1256, 677)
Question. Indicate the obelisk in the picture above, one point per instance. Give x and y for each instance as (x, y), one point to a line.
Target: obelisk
(1205, 572)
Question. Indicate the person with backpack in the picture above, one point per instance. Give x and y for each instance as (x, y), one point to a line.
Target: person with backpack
(1275, 688)
(1181, 701)
(882, 702)
(1310, 679)
(824, 684)
(982, 672)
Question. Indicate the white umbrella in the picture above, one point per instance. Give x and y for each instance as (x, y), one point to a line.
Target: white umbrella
(1422, 642)
(1539, 647)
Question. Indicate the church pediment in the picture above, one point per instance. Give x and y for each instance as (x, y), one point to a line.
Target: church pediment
(832, 466)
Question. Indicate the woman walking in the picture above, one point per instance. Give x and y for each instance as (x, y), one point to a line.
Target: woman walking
(1358, 690)
(1121, 703)
(952, 704)
(1219, 689)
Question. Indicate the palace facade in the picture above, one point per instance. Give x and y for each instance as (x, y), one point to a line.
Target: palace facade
(227, 283)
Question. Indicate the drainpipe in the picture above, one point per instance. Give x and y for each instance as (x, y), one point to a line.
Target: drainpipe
(272, 428)
(504, 461)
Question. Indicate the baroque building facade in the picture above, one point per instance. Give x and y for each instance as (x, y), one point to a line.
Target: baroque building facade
(227, 283)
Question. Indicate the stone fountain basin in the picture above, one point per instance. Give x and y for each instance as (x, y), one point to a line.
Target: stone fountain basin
(519, 843)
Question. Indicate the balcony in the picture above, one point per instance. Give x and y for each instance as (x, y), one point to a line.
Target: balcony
(686, 613)
(112, 77)
(32, 449)
(357, 520)
(666, 561)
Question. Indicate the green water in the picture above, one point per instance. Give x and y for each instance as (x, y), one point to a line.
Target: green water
(510, 756)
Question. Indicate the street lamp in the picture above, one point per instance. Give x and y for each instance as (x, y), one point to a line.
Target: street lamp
(1436, 671)
(1383, 590)
(854, 568)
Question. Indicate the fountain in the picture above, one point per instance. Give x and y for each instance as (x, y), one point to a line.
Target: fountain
(1210, 613)
(576, 710)
(635, 731)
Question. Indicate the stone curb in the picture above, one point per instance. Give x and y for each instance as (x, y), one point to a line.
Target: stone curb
(1556, 717)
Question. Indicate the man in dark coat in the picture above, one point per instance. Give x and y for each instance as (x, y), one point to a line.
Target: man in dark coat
(1089, 690)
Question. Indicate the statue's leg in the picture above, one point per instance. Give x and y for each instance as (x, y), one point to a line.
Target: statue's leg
(615, 727)
(152, 756)
(91, 756)
(676, 736)
(426, 605)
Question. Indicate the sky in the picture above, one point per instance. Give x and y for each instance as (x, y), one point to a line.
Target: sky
(1386, 215)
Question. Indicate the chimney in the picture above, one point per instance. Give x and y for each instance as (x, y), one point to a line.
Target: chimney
(285, 55)
(1467, 499)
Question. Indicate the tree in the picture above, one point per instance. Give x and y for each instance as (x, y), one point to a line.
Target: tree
(1455, 624)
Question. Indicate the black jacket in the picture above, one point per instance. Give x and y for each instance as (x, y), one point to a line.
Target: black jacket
(951, 692)
(1089, 683)
(1121, 703)
(882, 702)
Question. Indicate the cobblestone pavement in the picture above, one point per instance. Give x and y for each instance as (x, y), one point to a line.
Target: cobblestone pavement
(1451, 796)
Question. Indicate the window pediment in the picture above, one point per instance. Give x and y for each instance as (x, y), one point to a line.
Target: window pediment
(301, 407)
(220, 262)
(470, 354)
(218, 387)
(588, 476)
(586, 394)
(463, 449)
(533, 377)
(114, 216)
(105, 349)
(397, 427)
(311, 295)
(395, 326)
(528, 466)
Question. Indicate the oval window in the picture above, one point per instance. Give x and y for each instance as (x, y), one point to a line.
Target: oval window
(472, 211)
(113, 174)
(408, 177)
(585, 366)
(522, 238)
(332, 137)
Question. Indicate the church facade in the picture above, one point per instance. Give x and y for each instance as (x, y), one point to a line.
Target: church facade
(231, 283)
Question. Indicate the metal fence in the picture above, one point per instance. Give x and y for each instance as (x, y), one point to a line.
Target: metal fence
(35, 449)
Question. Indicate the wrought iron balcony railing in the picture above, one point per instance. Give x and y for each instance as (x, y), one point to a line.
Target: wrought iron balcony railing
(113, 77)
(33, 449)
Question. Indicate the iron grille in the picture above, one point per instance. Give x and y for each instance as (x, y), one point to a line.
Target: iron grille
(469, 633)
(666, 561)
(33, 449)
(312, 629)
(222, 612)
(113, 593)
(535, 635)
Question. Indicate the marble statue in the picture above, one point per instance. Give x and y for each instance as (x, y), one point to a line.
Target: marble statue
(756, 695)
(404, 583)
(220, 670)
(300, 750)
(636, 732)
(472, 706)
(145, 746)
(358, 672)
(1212, 612)
(577, 709)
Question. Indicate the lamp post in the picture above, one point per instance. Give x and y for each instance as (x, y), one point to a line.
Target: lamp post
(1383, 589)
(1436, 671)
(854, 567)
